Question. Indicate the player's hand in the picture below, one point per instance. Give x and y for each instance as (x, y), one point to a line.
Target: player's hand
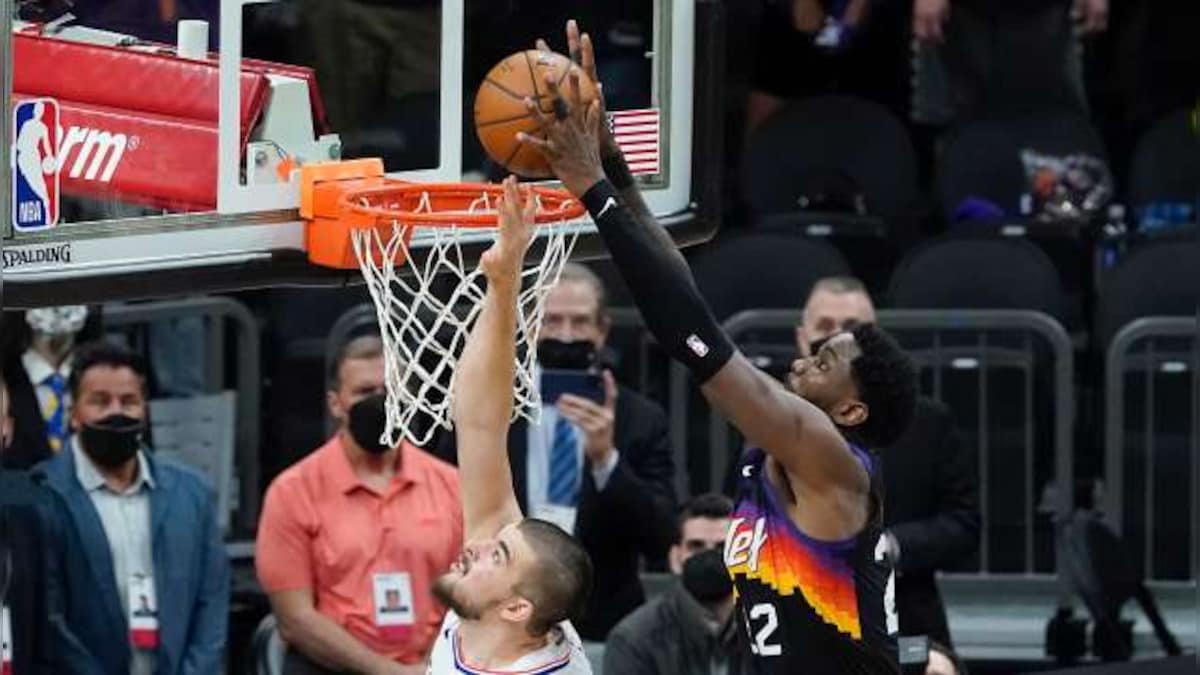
(1092, 15)
(583, 54)
(570, 144)
(929, 16)
(597, 421)
(808, 16)
(503, 261)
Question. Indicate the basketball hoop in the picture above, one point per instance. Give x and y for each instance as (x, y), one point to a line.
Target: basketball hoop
(358, 218)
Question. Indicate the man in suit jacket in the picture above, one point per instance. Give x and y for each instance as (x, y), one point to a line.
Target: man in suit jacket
(602, 470)
(133, 526)
(931, 503)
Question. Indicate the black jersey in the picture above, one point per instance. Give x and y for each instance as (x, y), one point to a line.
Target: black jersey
(806, 605)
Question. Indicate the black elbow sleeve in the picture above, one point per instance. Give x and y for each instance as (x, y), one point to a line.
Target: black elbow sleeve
(661, 284)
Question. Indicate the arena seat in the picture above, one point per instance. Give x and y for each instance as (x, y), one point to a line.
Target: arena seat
(855, 164)
(997, 383)
(982, 158)
(856, 139)
(762, 269)
(1166, 162)
(977, 272)
(1158, 278)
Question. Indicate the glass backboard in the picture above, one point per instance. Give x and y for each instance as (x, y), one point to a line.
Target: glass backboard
(159, 155)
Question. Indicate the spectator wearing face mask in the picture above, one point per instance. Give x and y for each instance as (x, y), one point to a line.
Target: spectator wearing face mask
(352, 537)
(40, 398)
(599, 464)
(133, 526)
(689, 628)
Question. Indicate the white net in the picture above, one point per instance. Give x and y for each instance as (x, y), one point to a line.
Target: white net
(427, 306)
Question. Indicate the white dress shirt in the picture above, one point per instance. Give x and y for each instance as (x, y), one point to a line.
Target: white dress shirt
(539, 442)
(125, 517)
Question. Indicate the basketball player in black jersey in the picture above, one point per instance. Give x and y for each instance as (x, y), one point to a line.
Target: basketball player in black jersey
(815, 591)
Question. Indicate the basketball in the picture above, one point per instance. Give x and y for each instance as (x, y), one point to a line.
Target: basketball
(500, 107)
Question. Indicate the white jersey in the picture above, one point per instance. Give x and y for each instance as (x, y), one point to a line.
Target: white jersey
(562, 656)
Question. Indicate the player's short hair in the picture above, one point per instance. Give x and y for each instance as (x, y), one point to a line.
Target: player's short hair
(710, 505)
(839, 285)
(361, 347)
(95, 354)
(578, 272)
(887, 384)
(559, 581)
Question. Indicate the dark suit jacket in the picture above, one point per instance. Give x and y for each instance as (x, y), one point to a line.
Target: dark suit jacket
(932, 507)
(22, 561)
(634, 514)
(191, 573)
(29, 444)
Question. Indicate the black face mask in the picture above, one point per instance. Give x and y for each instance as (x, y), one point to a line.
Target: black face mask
(113, 440)
(705, 577)
(558, 355)
(368, 419)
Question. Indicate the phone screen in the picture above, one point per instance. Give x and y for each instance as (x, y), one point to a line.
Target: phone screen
(582, 383)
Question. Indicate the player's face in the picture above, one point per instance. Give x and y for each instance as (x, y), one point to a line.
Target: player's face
(828, 313)
(573, 313)
(484, 578)
(825, 379)
(357, 379)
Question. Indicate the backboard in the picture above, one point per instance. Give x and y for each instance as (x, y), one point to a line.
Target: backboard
(148, 156)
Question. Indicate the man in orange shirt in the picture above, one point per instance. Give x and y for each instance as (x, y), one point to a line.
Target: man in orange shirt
(354, 527)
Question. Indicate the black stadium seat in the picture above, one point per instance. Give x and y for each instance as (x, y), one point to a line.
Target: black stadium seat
(961, 272)
(998, 383)
(1166, 163)
(982, 159)
(1159, 278)
(840, 168)
(762, 269)
(858, 140)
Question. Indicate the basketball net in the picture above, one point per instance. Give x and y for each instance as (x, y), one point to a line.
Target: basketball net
(424, 328)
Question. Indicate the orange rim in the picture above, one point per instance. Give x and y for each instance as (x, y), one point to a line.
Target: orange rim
(451, 204)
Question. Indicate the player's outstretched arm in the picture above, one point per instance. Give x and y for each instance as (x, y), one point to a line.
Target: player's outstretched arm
(483, 380)
(798, 434)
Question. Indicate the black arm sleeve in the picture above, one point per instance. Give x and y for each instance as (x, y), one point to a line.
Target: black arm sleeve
(661, 284)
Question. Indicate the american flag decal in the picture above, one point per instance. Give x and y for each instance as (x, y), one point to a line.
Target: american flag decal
(637, 134)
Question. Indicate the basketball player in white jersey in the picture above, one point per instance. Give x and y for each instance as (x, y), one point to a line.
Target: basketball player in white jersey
(519, 580)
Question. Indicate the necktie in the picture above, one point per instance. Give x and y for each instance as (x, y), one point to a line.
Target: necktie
(54, 412)
(564, 464)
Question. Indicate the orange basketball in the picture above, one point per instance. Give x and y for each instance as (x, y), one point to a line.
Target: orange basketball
(500, 107)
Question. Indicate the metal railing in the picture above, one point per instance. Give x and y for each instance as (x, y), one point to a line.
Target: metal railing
(249, 380)
(938, 356)
(1122, 360)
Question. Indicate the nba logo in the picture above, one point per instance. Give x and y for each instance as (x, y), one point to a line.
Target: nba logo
(35, 167)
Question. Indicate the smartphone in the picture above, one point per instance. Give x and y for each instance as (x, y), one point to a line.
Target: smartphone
(583, 383)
